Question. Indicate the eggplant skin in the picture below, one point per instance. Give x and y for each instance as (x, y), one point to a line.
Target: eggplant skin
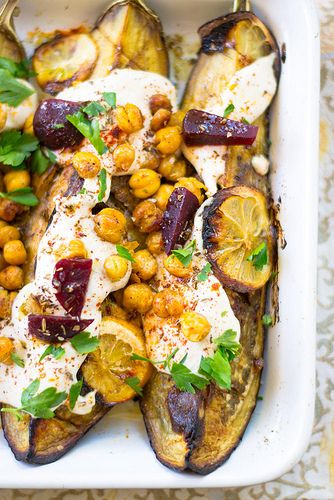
(173, 420)
(214, 35)
(43, 441)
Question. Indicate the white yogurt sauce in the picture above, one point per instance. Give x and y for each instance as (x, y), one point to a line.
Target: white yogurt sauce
(208, 298)
(130, 86)
(73, 220)
(251, 91)
(16, 117)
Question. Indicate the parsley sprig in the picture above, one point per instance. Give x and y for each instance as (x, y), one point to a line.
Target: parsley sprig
(75, 392)
(17, 69)
(16, 147)
(228, 110)
(23, 196)
(83, 343)
(125, 253)
(12, 91)
(56, 352)
(259, 256)
(185, 255)
(134, 383)
(103, 184)
(204, 273)
(38, 405)
(89, 129)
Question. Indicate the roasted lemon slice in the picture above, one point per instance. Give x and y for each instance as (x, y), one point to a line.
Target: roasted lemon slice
(237, 237)
(109, 370)
(64, 61)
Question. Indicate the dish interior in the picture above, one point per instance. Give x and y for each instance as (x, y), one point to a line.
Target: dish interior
(280, 428)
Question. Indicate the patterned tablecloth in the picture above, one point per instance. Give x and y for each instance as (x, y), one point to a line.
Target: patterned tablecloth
(313, 477)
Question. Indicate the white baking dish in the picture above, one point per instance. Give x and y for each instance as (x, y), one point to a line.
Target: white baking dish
(116, 453)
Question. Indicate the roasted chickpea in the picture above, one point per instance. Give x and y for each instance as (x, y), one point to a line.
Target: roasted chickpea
(75, 248)
(172, 169)
(6, 302)
(176, 120)
(10, 209)
(158, 101)
(86, 164)
(146, 216)
(175, 267)
(193, 185)
(16, 180)
(3, 117)
(145, 265)
(11, 278)
(168, 140)
(163, 194)
(168, 303)
(138, 297)
(14, 253)
(116, 267)
(144, 183)
(194, 326)
(28, 127)
(129, 118)
(124, 156)
(155, 243)
(110, 225)
(151, 159)
(6, 349)
(8, 233)
(160, 119)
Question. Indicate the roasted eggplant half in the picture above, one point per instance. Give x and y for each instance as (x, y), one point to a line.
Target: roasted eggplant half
(127, 35)
(207, 439)
(40, 441)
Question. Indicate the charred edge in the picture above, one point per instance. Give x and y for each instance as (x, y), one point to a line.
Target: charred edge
(214, 35)
(186, 414)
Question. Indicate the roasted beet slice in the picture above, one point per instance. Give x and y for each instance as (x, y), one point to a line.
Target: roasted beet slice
(54, 329)
(70, 280)
(181, 208)
(205, 129)
(51, 126)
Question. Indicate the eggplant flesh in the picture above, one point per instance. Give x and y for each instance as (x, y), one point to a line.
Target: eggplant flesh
(228, 44)
(40, 441)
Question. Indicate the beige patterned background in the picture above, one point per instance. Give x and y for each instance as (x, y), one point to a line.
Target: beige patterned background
(313, 477)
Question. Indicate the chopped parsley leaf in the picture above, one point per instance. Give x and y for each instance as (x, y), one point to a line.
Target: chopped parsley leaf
(204, 274)
(83, 343)
(23, 196)
(103, 184)
(89, 129)
(134, 383)
(110, 98)
(259, 256)
(75, 392)
(12, 91)
(267, 320)
(94, 108)
(185, 255)
(55, 351)
(124, 252)
(15, 147)
(228, 110)
(17, 360)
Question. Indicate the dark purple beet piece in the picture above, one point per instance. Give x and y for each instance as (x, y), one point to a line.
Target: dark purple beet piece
(205, 129)
(51, 126)
(54, 329)
(70, 280)
(181, 208)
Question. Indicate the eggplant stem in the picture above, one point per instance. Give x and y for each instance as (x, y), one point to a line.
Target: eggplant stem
(241, 5)
(139, 3)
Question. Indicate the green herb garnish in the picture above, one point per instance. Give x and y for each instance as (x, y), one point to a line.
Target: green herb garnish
(185, 380)
(23, 196)
(134, 383)
(228, 110)
(17, 69)
(124, 252)
(246, 122)
(223, 314)
(103, 184)
(110, 98)
(204, 274)
(267, 320)
(94, 108)
(55, 351)
(12, 91)
(15, 147)
(89, 129)
(83, 191)
(75, 392)
(41, 160)
(17, 360)
(58, 126)
(38, 405)
(185, 255)
(259, 256)
(83, 343)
